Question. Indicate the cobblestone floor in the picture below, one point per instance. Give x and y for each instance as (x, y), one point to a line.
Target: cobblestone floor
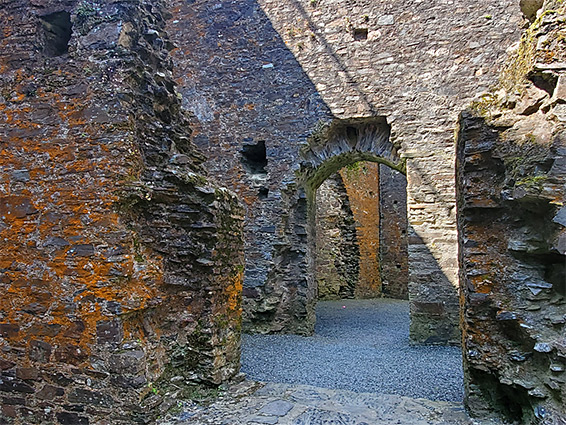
(252, 403)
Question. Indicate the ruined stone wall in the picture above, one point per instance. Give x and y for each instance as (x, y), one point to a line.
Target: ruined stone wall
(337, 267)
(393, 233)
(120, 266)
(512, 221)
(361, 181)
(272, 72)
(225, 69)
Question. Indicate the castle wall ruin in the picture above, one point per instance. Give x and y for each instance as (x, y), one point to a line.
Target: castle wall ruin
(511, 188)
(122, 260)
(121, 263)
(280, 73)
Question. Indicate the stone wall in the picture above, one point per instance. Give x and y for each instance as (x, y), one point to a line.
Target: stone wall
(361, 233)
(224, 66)
(393, 233)
(361, 181)
(120, 265)
(337, 268)
(275, 72)
(512, 220)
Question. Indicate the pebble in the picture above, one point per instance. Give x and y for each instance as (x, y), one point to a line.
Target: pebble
(363, 347)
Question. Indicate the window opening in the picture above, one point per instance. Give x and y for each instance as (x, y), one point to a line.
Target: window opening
(254, 158)
(56, 32)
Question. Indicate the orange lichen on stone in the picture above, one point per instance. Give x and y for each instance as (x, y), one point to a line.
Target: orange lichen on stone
(362, 185)
(59, 225)
(234, 292)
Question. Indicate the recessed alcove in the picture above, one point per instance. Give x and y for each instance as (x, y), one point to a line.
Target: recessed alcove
(56, 31)
(254, 157)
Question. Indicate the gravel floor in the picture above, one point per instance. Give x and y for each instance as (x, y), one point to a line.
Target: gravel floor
(363, 347)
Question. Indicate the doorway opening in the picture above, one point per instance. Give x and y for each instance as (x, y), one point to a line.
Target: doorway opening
(361, 233)
(342, 272)
(358, 230)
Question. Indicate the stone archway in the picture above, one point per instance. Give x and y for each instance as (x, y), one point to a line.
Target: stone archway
(331, 148)
(287, 303)
(344, 142)
(434, 302)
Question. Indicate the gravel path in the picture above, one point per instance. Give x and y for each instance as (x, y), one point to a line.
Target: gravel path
(363, 347)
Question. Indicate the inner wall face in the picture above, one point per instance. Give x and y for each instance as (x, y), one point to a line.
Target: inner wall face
(297, 64)
(393, 233)
(362, 186)
(337, 261)
(361, 233)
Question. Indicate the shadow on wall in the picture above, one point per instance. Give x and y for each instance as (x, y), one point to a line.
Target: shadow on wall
(335, 63)
(246, 89)
(337, 265)
(253, 106)
(435, 313)
(393, 233)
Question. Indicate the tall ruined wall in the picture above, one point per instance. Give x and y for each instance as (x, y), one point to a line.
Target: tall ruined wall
(248, 94)
(120, 266)
(337, 257)
(512, 221)
(361, 181)
(267, 73)
(393, 233)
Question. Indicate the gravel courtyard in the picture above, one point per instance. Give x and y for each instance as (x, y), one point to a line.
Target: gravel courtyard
(361, 346)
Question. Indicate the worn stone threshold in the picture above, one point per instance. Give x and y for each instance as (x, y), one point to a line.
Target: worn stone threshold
(253, 403)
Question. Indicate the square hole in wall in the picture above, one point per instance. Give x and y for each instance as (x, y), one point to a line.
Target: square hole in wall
(360, 34)
(56, 29)
(254, 158)
(263, 193)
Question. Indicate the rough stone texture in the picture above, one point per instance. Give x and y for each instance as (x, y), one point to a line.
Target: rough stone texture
(361, 233)
(362, 186)
(245, 404)
(120, 266)
(337, 252)
(277, 71)
(511, 193)
(393, 235)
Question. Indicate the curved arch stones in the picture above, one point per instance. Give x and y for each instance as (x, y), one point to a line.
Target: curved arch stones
(344, 142)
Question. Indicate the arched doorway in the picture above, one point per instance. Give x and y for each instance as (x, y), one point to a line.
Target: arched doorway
(286, 303)
(348, 178)
(353, 150)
